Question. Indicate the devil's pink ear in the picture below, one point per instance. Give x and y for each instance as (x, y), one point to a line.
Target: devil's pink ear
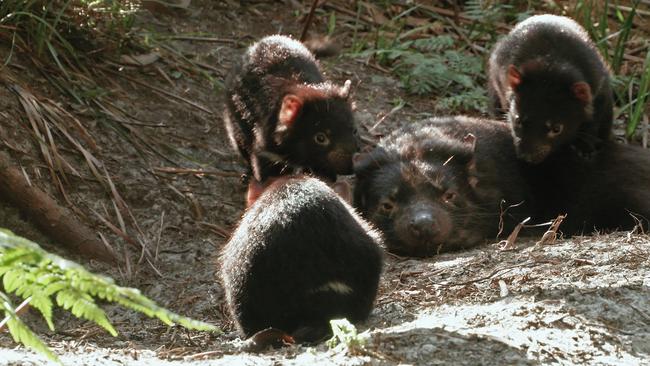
(343, 189)
(473, 181)
(582, 91)
(470, 140)
(360, 160)
(290, 110)
(357, 157)
(255, 190)
(471, 165)
(514, 77)
(345, 90)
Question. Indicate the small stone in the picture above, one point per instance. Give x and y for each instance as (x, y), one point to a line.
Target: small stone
(427, 349)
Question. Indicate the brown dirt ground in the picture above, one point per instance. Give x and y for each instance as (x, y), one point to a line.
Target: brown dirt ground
(584, 300)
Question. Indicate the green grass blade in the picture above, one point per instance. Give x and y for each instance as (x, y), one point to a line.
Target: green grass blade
(626, 27)
(640, 103)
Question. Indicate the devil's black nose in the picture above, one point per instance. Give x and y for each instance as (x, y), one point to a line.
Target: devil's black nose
(422, 224)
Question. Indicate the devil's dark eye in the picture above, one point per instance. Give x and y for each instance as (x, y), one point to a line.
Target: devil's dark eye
(516, 120)
(387, 206)
(554, 129)
(321, 138)
(449, 197)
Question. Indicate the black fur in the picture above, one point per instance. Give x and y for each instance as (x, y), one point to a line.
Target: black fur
(552, 53)
(271, 69)
(430, 190)
(296, 239)
(599, 196)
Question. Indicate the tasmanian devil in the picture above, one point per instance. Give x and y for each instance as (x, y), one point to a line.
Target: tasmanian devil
(300, 257)
(554, 86)
(281, 113)
(611, 193)
(442, 184)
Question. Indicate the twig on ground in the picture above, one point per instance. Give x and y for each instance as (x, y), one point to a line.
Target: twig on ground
(163, 92)
(502, 212)
(216, 229)
(474, 48)
(173, 170)
(501, 270)
(159, 235)
(460, 16)
(23, 307)
(390, 113)
(363, 18)
(310, 17)
(373, 66)
(645, 316)
(550, 236)
(202, 39)
(509, 243)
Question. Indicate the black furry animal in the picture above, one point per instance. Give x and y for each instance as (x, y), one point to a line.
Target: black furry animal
(438, 185)
(300, 257)
(281, 113)
(611, 193)
(550, 79)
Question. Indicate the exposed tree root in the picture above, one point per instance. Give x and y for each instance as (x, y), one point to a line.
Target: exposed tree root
(55, 221)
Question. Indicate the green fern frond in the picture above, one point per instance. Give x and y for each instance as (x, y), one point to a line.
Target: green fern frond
(83, 306)
(486, 11)
(21, 332)
(42, 303)
(434, 43)
(433, 66)
(473, 99)
(29, 271)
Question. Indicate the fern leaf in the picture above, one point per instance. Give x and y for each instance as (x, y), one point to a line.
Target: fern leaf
(13, 279)
(83, 306)
(42, 303)
(54, 287)
(133, 299)
(86, 308)
(189, 322)
(21, 332)
(8, 258)
(28, 270)
(438, 43)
